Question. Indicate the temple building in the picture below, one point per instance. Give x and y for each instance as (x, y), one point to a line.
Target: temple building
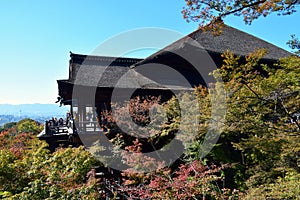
(95, 81)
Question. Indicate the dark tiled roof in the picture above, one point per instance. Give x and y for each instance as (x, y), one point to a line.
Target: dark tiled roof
(239, 42)
(109, 72)
(124, 73)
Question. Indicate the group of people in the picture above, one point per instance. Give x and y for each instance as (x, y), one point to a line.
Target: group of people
(60, 122)
(55, 123)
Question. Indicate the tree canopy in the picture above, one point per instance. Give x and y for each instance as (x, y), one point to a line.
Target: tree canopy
(211, 12)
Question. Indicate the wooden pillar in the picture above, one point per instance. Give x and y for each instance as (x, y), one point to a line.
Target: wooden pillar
(81, 116)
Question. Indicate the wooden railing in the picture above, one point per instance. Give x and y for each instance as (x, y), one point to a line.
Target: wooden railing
(88, 126)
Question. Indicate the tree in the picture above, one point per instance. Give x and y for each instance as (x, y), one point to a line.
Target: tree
(294, 43)
(212, 12)
(28, 170)
(260, 106)
(28, 125)
(7, 126)
(191, 180)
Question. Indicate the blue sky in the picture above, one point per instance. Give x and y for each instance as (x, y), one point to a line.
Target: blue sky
(36, 37)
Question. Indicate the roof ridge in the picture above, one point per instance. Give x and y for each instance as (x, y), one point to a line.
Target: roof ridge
(104, 58)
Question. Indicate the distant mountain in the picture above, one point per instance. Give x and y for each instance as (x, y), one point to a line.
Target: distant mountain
(33, 109)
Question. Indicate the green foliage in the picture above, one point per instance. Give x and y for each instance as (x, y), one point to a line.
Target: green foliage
(294, 43)
(261, 103)
(192, 180)
(259, 144)
(286, 187)
(61, 175)
(28, 125)
(29, 171)
(7, 126)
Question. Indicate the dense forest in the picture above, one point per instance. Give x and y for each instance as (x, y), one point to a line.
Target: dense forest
(257, 155)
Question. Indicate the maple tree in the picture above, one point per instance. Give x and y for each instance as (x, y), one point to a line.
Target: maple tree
(212, 12)
(261, 104)
(28, 170)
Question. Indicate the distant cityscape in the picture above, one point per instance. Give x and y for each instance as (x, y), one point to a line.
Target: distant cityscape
(37, 112)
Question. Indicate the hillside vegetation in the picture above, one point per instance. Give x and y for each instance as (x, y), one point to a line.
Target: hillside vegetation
(29, 171)
(257, 155)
